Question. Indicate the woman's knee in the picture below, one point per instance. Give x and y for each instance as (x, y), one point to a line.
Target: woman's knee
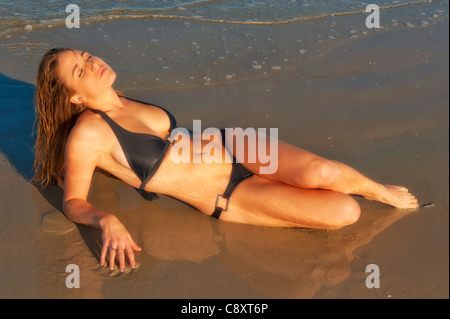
(347, 212)
(318, 173)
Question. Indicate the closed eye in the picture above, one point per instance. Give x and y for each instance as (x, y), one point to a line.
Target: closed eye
(81, 71)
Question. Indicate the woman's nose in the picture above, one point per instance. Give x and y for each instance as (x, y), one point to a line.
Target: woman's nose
(94, 65)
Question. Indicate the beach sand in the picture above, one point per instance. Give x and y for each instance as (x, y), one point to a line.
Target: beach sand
(378, 104)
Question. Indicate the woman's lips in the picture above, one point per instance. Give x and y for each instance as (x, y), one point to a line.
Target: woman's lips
(102, 71)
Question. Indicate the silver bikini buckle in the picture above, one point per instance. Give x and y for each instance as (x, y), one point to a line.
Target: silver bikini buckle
(169, 139)
(226, 206)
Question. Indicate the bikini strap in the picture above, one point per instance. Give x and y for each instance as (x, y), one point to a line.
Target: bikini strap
(173, 121)
(114, 126)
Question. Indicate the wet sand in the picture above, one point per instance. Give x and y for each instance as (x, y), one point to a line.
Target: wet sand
(379, 104)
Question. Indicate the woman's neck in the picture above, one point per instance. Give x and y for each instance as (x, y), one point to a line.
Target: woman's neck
(106, 102)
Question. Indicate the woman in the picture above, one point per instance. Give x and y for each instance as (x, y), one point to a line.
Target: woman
(83, 123)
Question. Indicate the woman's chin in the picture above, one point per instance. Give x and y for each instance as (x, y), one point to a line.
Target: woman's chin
(111, 76)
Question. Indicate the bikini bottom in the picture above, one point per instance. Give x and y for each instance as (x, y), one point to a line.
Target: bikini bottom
(238, 174)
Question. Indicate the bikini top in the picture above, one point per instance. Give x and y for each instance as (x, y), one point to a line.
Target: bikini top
(144, 152)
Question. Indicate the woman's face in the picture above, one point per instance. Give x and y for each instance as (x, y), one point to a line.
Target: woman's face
(86, 75)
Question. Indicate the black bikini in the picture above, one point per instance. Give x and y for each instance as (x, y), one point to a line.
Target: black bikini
(238, 174)
(145, 152)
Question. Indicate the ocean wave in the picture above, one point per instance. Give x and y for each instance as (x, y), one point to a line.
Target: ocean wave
(176, 11)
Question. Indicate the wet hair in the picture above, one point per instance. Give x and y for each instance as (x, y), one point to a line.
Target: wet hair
(55, 117)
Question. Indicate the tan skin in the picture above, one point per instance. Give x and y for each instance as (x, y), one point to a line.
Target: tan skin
(306, 190)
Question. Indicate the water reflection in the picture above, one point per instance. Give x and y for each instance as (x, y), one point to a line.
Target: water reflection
(190, 255)
(281, 263)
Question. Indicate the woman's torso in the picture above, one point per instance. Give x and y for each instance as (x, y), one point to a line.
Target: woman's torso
(194, 183)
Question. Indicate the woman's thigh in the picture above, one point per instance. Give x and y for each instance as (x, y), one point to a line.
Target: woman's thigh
(293, 165)
(260, 201)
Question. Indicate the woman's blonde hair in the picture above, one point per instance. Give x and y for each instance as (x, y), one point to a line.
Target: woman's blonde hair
(55, 117)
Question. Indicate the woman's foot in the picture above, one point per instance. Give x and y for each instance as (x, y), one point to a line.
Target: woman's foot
(397, 196)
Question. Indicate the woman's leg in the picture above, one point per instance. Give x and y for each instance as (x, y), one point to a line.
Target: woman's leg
(260, 201)
(304, 169)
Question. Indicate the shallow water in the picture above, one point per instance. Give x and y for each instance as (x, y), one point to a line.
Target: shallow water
(176, 44)
(17, 15)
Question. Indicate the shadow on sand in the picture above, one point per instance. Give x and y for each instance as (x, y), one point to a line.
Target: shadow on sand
(16, 124)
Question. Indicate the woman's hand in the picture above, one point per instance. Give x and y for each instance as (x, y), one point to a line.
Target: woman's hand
(117, 241)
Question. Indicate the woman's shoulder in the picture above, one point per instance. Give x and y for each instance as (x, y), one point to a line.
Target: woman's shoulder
(88, 128)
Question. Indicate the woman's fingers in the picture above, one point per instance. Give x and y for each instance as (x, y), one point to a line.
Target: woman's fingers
(131, 257)
(134, 246)
(118, 251)
(103, 254)
(121, 257)
(117, 242)
(112, 256)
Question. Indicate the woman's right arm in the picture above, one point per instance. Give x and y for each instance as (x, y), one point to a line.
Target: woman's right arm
(81, 157)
